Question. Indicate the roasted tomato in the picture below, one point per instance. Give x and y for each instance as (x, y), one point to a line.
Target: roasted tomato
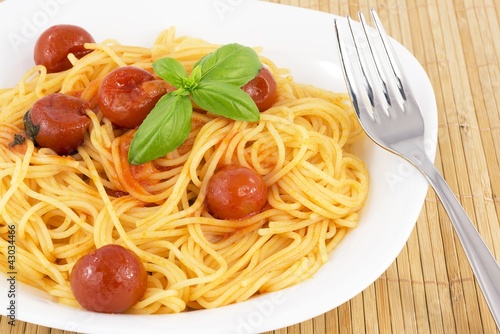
(55, 43)
(262, 89)
(127, 95)
(57, 121)
(235, 192)
(109, 280)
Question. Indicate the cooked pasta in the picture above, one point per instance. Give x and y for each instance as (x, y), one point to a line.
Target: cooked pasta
(63, 207)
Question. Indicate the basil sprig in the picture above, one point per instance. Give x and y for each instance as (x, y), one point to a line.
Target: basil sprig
(214, 84)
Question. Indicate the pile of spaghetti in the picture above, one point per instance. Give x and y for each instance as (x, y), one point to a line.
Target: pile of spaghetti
(63, 207)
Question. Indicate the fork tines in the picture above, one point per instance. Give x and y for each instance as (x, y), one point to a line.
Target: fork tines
(365, 71)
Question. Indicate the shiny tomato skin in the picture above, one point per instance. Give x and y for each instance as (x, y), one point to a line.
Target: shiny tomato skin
(54, 44)
(262, 89)
(61, 122)
(110, 279)
(127, 95)
(235, 192)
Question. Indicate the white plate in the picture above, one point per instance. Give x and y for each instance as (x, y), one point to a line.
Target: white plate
(302, 40)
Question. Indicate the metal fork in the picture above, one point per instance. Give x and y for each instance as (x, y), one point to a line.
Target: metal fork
(391, 117)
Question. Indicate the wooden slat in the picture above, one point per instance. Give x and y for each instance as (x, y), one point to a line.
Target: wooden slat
(430, 287)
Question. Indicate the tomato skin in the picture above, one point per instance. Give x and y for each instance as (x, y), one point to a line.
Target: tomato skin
(262, 89)
(54, 44)
(61, 122)
(127, 95)
(235, 192)
(110, 279)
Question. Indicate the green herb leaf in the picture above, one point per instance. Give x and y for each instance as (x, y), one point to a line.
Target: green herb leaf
(195, 75)
(164, 129)
(226, 100)
(232, 63)
(214, 84)
(171, 71)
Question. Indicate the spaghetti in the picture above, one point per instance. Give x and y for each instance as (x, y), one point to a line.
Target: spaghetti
(66, 206)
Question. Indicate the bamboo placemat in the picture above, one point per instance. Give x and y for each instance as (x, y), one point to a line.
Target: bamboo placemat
(430, 288)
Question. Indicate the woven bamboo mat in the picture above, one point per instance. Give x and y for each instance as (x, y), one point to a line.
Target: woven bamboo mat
(430, 288)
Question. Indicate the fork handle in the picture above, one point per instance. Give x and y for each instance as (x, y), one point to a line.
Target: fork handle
(484, 265)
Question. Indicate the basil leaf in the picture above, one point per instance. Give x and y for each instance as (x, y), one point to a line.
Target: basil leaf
(225, 99)
(165, 128)
(170, 70)
(232, 63)
(190, 83)
(214, 84)
(195, 75)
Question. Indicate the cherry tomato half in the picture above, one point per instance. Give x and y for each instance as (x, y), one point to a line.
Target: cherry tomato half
(57, 121)
(262, 89)
(127, 95)
(109, 280)
(235, 192)
(55, 43)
